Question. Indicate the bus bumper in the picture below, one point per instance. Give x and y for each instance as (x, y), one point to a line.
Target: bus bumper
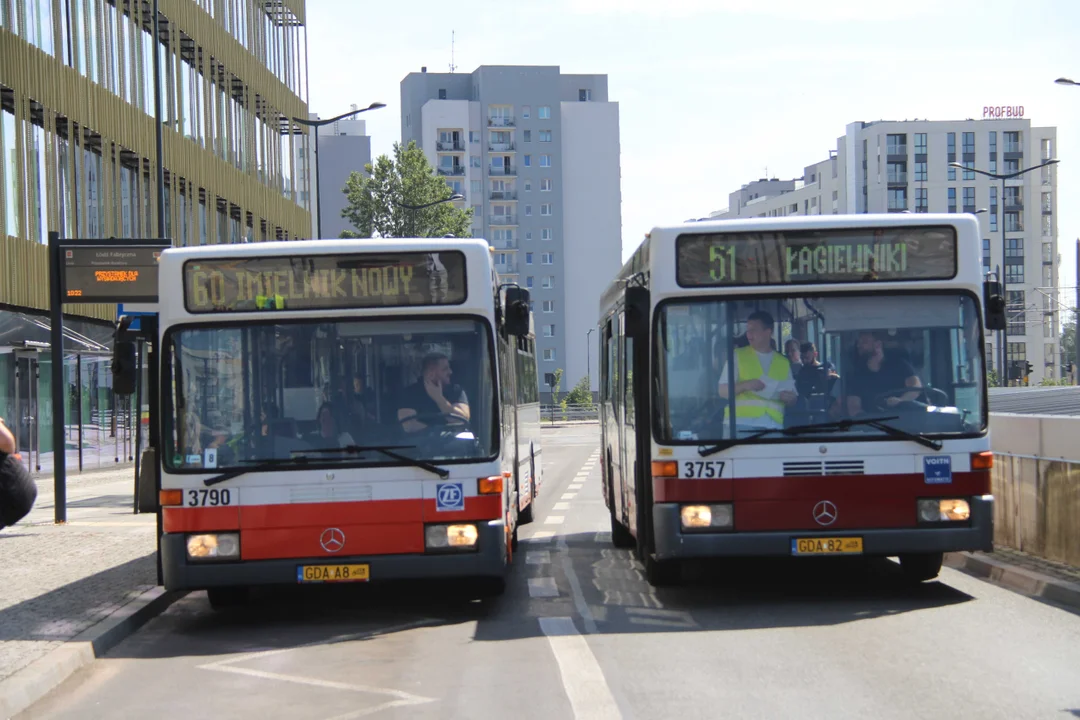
(673, 543)
(488, 560)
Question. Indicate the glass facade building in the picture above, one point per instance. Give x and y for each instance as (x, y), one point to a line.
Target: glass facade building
(77, 156)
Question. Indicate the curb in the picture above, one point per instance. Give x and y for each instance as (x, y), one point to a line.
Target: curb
(33, 682)
(1017, 579)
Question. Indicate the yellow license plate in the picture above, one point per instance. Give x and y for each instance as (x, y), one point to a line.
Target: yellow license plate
(332, 573)
(827, 546)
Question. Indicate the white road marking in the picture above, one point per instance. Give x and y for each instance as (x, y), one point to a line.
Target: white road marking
(665, 618)
(582, 678)
(568, 496)
(543, 587)
(403, 698)
(554, 520)
(602, 537)
(537, 557)
(541, 536)
(575, 586)
(573, 486)
(561, 506)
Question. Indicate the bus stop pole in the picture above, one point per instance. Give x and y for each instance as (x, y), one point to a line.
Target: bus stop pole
(56, 342)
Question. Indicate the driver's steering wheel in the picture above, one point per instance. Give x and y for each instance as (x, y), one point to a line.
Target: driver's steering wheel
(924, 392)
(436, 422)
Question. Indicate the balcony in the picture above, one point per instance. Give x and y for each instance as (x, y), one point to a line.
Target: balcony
(502, 220)
(897, 178)
(455, 171)
(500, 122)
(501, 147)
(503, 195)
(503, 170)
(1013, 147)
(896, 150)
(456, 146)
(506, 268)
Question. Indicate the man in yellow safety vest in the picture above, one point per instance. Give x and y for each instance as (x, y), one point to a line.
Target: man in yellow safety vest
(764, 386)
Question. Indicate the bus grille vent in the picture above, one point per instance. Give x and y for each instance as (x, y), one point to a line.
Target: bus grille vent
(802, 467)
(844, 467)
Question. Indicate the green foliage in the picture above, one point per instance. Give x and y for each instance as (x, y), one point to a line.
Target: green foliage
(580, 396)
(992, 378)
(555, 388)
(374, 201)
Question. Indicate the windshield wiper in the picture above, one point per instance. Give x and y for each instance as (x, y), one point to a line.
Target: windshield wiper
(255, 466)
(876, 423)
(724, 445)
(387, 450)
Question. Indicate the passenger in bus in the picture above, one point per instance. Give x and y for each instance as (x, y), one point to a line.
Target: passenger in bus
(792, 352)
(764, 386)
(816, 384)
(328, 434)
(877, 372)
(433, 394)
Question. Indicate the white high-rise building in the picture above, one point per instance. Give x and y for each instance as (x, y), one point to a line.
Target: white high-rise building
(888, 166)
(344, 147)
(535, 152)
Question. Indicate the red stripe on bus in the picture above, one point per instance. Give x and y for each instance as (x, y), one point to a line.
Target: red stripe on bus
(200, 519)
(691, 490)
(312, 541)
(841, 486)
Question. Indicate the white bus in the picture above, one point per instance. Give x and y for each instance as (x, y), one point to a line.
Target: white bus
(342, 410)
(799, 387)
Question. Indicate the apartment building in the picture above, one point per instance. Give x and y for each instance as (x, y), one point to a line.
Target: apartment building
(77, 138)
(904, 166)
(535, 152)
(344, 147)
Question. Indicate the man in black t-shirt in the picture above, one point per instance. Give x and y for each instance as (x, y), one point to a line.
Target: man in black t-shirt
(876, 373)
(433, 394)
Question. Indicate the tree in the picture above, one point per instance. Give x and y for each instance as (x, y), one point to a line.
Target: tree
(580, 395)
(1068, 340)
(555, 386)
(374, 201)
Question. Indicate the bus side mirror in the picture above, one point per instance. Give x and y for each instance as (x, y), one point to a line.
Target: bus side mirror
(637, 312)
(994, 304)
(516, 312)
(124, 367)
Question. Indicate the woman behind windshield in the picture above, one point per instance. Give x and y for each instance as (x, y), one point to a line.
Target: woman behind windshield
(327, 430)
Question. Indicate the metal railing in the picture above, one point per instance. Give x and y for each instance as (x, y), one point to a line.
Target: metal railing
(502, 220)
(450, 146)
(572, 413)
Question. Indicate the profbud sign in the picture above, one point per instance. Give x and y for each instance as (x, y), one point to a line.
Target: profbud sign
(1003, 112)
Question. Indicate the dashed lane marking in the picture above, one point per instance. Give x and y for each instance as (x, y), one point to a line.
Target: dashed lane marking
(554, 520)
(543, 587)
(582, 679)
(568, 496)
(537, 557)
(541, 536)
(561, 506)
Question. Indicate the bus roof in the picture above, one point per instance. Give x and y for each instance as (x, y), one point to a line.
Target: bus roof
(654, 259)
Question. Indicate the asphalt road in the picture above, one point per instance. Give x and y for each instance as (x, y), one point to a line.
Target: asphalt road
(581, 634)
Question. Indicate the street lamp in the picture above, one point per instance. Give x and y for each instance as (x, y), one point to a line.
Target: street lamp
(1076, 312)
(1002, 381)
(318, 124)
(453, 198)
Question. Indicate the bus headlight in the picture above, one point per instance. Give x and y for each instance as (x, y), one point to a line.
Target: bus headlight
(934, 510)
(214, 546)
(706, 517)
(461, 536)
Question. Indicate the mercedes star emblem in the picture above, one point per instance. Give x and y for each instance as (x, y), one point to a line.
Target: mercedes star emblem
(824, 513)
(333, 540)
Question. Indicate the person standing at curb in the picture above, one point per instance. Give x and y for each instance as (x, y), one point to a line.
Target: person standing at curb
(17, 489)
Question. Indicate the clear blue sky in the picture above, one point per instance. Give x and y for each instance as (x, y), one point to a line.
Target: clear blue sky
(712, 92)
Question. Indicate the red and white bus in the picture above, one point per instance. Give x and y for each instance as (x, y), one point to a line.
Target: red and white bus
(336, 411)
(718, 442)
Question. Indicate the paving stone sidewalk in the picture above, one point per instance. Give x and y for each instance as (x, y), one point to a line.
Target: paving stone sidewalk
(59, 580)
(1057, 570)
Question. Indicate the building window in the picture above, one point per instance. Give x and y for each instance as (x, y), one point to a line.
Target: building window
(549, 306)
(474, 136)
(920, 172)
(529, 281)
(474, 161)
(528, 258)
(475, 186)
(1014, 222)
(1013, 166)
(1014, 248)
(1014, 274)
(952, 200)
(545, 233)
(528, 186)
(920, 143)
(543, 112)
(1014, 309)
(545, 136)
(1048, 225)
(986, 255)
(896, 144)
(969, 170)
(584, 95)
(921, 200)
(545, 161)
(1012, 142)
(1048, 252)
(528, 161)
(968, 140)
(545, 184)
(526, 135)
(951, 150)
(525, 111)
(969, 199)
(528, 210)
(549, 330)
(549, 354)
(549, 282)
(897, 199)
(442, 93)
(545, 208)
(1047, 203)
(547, 258)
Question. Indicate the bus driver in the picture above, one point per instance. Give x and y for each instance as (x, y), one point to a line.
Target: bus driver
(764, 386)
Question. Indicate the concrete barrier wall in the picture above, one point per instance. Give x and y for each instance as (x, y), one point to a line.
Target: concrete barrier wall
(1036, 484)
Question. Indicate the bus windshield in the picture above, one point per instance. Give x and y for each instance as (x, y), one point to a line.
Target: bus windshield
(317, 391)
(807, 368)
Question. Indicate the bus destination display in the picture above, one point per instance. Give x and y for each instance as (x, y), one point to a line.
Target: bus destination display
(324, 282)
(110, 273)
(807, 257)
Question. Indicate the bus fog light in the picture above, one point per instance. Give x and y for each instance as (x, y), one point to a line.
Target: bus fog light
(699, 517)
(944, 510)
(214, 546)
(449, 537)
